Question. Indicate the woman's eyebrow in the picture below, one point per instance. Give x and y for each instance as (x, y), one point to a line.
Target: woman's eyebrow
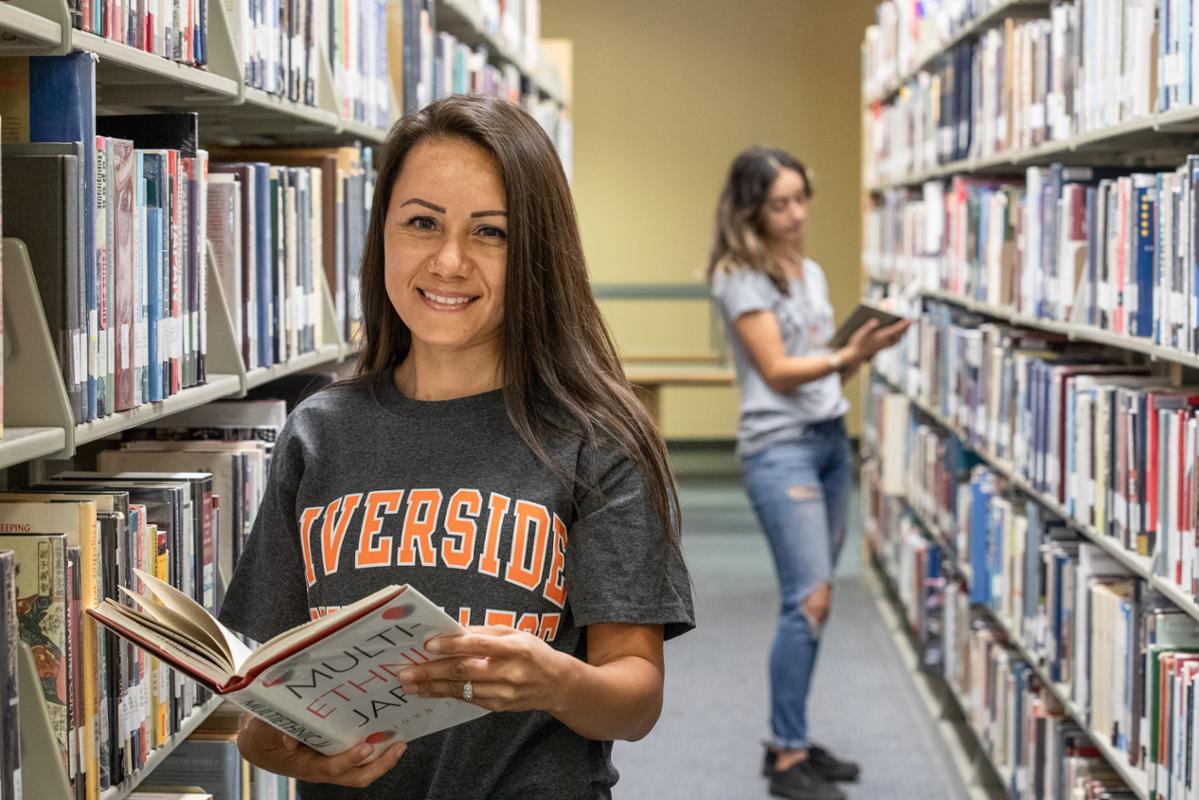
(425, 203)
(489, 214)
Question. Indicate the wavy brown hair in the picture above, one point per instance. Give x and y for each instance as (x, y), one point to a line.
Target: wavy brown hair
(738, 242)
(559, 367)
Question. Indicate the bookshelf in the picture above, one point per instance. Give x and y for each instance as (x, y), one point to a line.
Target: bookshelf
(197, 717)
(1146, 140)
(985, 21)
(1134, 777)
(39, 423)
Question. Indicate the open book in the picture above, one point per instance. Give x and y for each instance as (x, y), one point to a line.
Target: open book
(332, 683)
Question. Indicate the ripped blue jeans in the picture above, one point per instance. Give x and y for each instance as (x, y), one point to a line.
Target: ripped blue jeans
(800, 492)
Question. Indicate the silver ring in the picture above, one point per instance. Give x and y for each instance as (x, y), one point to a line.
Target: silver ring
(468, 691)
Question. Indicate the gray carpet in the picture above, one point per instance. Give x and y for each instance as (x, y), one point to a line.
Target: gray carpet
(864, 704)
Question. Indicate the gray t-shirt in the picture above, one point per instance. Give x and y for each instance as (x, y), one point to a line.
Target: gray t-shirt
(460, 467)
(805, 318)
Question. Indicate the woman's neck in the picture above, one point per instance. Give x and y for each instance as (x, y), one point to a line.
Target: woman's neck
(790, 258)
(431, 374)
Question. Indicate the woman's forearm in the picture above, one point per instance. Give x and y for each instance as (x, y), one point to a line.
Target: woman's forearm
(621, 699)
(789, 373)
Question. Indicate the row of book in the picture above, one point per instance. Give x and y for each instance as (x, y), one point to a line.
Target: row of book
(904, 35)
(175, 508)
(1091, 65)
(1036, 748)
(428, 64)
(1107, 441)
(174, 29)
(373, 51)
(209, 759)
(1104, 641)
(1118, 252)
(116, 212)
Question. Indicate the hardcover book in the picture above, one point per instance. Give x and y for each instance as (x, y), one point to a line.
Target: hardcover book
(331, 683)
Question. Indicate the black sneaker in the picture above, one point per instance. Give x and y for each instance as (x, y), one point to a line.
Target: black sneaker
(825, 763)
(802, 782)
(830, 767)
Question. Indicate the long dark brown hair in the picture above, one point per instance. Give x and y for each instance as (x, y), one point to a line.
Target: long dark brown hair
(738, 242)
(559, 367)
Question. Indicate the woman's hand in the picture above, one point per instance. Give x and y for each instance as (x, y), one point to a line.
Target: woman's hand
(274, 751)
(870, 338)
(509, 670)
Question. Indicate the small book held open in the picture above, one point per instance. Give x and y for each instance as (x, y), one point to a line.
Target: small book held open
(332, 683)
(863, 312)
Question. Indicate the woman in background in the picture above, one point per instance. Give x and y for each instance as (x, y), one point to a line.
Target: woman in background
(791, 438)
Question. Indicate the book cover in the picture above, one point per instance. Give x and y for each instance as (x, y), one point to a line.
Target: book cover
(41, 208)
(10, 718)
(330, 683)
(41, 591)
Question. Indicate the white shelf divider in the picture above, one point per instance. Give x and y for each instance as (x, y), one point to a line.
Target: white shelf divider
(26, 32)
(34, 393)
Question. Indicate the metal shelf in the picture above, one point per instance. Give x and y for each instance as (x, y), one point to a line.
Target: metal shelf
(364, 131)
(25, 444)
(26, 32)
(1096, 144)
(127, 76)
(218, 386)
(323, 355)
(1082, 333)
(157, 756)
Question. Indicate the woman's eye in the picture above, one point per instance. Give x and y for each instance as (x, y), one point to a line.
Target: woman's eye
(491, 232)
(422, 223)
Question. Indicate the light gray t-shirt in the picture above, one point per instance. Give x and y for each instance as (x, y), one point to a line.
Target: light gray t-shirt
(805, 318)
(461, 466)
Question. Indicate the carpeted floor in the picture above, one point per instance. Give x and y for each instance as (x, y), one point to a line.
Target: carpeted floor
(864, 706)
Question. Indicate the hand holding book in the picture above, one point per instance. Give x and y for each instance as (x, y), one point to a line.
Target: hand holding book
(265, 747)
(331, 683)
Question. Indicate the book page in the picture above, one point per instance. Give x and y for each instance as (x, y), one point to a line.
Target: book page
(183, 626)
(181, 604)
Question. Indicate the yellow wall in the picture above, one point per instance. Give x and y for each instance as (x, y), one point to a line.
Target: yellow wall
(666, 93)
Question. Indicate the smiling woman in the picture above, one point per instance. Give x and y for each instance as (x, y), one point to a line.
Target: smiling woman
(490, 452)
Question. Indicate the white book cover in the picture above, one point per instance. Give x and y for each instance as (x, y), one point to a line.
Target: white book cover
(331, 683)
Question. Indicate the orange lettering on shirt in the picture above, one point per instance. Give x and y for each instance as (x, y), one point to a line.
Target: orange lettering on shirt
(424, 505)
(334, 530)
(527, 561)
(497, 509)
(461, 528)
(464, 616)
(500, 618)
(371, 553)
(528, 623)
(549, 626)
(555, 584)
(307, 519)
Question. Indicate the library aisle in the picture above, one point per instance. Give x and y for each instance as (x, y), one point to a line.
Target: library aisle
(865, 701)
